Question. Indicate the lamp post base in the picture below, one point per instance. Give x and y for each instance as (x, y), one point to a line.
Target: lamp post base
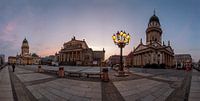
(121, 74)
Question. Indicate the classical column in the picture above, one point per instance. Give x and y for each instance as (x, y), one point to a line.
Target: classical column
(136, 60)
(67, 56)
(59, 57)
(71, 56)
(81, 56)
(64, 57)
(168, 59)
(141, 59)
(76, 55)
(165, 59)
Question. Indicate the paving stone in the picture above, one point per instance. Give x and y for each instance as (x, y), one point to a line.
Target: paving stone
(168, 92)
(161, 98)
(49, 95)
(77, 98)
(195, 86)
(194, 99)
(195, 95)
(148, 98)
(35, 93)
(128, 92)
(93, 95)
(132, 97)
(59, 93)
(153, 82)
(6, 93)
(32, 77)
(43, 99)
(6, 99)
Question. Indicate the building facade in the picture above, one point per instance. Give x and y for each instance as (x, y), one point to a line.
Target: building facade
(12, 60)
(115, 60)
(154, 51)
(181, 60)
(129, 59)
(25, 58)
(77, 52)
(2, 59)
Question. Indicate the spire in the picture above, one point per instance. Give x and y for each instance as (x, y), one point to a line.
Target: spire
(154, 12)
(141, 41)
(25, 41)
(168, 43)
(163, 43)
(74, 38)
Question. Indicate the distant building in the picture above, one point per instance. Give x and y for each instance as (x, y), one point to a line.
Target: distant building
(198, 65)
(77, 52)
(12, 60)
(154, 52)
(115, 59)
(98, 57)
(2, 59)
(129, 59)
(25, 58)
(48, 60)
(181, 60)
(36, 59)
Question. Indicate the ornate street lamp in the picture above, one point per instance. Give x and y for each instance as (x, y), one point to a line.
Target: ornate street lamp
(121, 39)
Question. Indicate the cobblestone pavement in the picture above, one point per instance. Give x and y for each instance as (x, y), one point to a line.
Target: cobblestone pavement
(140, 85)
(144, 90)
(6, 93)
(195, 86)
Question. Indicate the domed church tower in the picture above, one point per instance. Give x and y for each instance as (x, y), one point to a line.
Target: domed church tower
(25, 47)
(153, 52)
(153, 31)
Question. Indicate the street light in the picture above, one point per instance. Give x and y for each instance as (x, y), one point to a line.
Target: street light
(121, 39)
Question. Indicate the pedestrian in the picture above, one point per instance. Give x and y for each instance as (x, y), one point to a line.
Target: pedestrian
(13, 67)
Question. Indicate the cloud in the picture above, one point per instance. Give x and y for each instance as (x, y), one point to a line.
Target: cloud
(47, 51)
(9, 27)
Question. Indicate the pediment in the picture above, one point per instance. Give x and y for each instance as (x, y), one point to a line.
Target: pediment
(140, 47)
(169, 49)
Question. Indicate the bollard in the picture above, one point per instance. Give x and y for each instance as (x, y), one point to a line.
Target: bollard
(39, 69)
(61, 72)
(105, 75)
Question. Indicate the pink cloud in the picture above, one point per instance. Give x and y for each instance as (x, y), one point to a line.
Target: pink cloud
(47, 52)
(10, 26)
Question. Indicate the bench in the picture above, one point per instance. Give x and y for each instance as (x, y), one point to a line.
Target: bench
(73, 73)
(96, 74)
(50, 71)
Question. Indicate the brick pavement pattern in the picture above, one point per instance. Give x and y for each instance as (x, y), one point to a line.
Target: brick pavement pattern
(141, 85)
(195, 86)
(6, 93)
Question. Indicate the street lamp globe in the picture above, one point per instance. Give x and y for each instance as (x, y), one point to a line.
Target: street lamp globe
(121, 39)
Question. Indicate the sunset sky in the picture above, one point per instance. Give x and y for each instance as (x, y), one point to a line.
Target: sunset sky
(47, 24)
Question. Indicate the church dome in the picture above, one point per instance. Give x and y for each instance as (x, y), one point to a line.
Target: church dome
(25, 41)
(154, 18)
